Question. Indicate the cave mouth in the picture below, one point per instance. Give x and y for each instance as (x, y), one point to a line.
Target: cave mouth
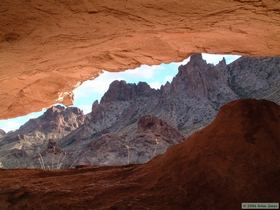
(91, 90)
(177, 98)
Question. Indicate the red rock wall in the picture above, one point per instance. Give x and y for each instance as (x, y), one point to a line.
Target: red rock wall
(47, 47)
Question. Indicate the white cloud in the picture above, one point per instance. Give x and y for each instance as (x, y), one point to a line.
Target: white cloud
(168, 78)
(155, 85)
(212, 58)
(10, 125)
(86, 108)
(15, 123)
(215, 58)
(99, 85)
(144, 71)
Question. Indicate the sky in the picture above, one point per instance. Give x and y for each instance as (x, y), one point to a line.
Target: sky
(92, 90)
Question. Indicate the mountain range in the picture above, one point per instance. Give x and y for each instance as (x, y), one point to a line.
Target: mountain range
(234, 159)
(133, 123)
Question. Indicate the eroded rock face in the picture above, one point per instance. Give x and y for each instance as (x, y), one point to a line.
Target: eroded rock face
(256, 78)
(121, 91)
(57, 119)
(19, 148)
(47, 47)
(149, 123)
(131, 146)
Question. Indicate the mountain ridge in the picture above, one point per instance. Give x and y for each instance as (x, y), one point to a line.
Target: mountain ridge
(188, 103)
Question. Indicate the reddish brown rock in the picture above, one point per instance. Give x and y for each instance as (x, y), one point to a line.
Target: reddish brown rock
(235, 159)
(159, 128)
(47, 47)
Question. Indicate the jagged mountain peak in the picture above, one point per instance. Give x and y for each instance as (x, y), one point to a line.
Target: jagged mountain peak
(222, 62)
(199, 80)
(56, 122)
(119, 90)
(55, 115)
(56, 108)
(196, 59)
(62, 109)
(188, 103)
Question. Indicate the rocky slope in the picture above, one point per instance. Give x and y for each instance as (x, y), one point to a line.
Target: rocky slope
(256, 78)
(235, 159)
(189, 102)
(110, 134)
(135, 145)
(16, 148)
(59, 43)
(2, 133)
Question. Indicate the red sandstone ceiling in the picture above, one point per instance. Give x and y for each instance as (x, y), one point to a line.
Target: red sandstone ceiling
(48, 46)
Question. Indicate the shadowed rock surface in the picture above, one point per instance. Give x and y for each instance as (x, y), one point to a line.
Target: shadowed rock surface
(48, 46)
(234, 159)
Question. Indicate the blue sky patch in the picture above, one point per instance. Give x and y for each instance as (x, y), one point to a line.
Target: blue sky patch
(92, 90)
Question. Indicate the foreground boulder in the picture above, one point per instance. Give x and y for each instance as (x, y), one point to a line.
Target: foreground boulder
(235, 159)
